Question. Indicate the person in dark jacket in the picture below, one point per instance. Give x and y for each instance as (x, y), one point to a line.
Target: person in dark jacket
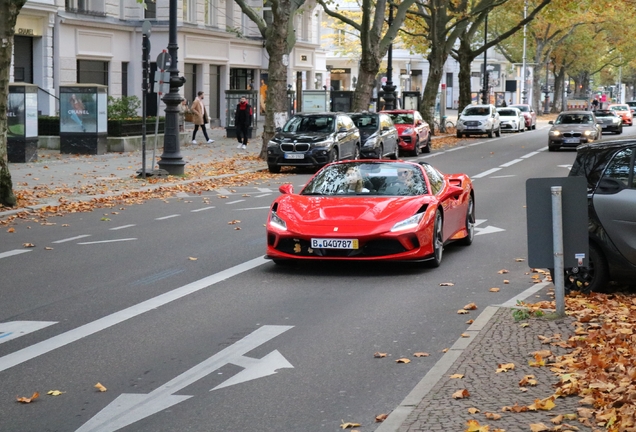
(242, 122)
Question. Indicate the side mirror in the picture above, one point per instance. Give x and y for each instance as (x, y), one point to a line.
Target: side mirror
(286, 188)
(455, 192)
(342, 130)
(386, 128)
(609, 186)
(551, 122)
(278, 129)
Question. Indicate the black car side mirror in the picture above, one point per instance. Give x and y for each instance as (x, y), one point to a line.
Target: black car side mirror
(550, 122)
(342, 129)
(278, 129)
(386, 128)
(609, 186)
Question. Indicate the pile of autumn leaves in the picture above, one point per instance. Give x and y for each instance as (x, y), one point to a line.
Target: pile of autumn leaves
(600, 369)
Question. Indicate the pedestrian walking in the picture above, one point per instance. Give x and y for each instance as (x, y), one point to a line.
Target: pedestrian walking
(183, 109)
(200, 118)
(242, 122)
(594, 104)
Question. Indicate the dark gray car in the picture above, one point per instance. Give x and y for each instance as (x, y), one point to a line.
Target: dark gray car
(378, 135)
(313, 140)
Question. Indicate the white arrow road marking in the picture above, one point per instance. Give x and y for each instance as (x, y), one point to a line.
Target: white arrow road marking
(14, 252)
(126, 409)
(15, 329)
(486, 230)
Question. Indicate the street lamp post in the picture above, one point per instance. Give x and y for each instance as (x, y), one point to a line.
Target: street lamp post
(546, 89)
(484, 96)
(524, 90)
(388, 88)
(171, 159)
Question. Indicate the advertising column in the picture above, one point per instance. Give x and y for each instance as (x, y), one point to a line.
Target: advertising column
(22, 123)
(83, 119)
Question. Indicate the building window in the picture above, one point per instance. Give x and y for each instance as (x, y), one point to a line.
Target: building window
(211, 13)
(150, 11)
(23, 59)
(268, 16)
(190, 86)
(189, 10)
(241, 78)
(92, 72)
(124, 78)
(85, 7)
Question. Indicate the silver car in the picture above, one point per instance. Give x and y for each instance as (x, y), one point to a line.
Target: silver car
(479, 120)
(511, 119)
(572, 128)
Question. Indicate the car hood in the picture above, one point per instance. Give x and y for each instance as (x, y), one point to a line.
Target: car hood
(507, 118)
(573, 127)
(307, 137)
(402, 127)
(474, 117)
(350, 215)
(366, 133)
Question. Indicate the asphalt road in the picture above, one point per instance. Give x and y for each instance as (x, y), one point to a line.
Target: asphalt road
(174, 310)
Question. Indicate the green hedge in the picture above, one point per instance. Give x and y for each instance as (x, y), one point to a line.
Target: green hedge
(50, 126)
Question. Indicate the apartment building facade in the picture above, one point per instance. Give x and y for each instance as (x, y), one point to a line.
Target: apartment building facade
(63, 42)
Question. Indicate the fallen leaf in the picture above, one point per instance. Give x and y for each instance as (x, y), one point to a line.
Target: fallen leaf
(528, 380)
(470, 321)
(524, 325)
(473, 410)
(28, 245)
(48, 248)
(447, 284)
(55, 392)
(100, 387)
(470, 306)
(503, 271)
(474, 426)
(445, 350)
(420, 354)
(506, 281)
(23, 399)
(403, 360)
(456, 376)
(11, 230)
(348, 425)
(519, 260)
(557, 420)
(461, 394)
(505, 367)
(233, 222)
(538, 361)
(465, 335)
(538, 427)
(494, 289)
(462, 312)
(379, 355)
(380, 418)
(543, 404)
(237, 228)
(192, 258)
(492, 416)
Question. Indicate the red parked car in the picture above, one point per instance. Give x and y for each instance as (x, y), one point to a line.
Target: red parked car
(414, 132)
(369, 210)
(529, 114)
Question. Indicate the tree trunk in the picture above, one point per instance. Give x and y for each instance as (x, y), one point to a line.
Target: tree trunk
(9, 10)
(369, 68)
(465, 59)
(436, 59)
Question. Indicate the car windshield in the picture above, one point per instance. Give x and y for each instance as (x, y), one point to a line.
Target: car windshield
(365, 121)
(522, 108)
(402, 118)
(604, 113)
(367, 178)
(632, 104)
(507, 113)
(476, 111)
(619, 108)
(574, 119)
(322, 124)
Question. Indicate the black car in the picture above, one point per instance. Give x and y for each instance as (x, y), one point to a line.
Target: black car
(313, 140)
(611, 191)
(609, 121)
(378, 135)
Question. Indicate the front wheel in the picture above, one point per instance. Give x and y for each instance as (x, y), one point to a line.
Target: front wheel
(333, 155)
(594, 277)
(427, 147)
(381, 152)
(438, 241)
(470, 224)
(498, 131)
(491, 132)
(356, 152)
(274, 169)
(459, 134)
(416, 148)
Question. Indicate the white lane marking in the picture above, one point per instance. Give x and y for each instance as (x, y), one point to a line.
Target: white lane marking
(264, 189)
(504, 176)
(485, 173)
(253, 208)
(14, 252)
(485, 230)
(14, 329)
(129, 408)
(72, 238)
(543, 149)
(122, 227)
(529, 155)
(107, 241)
(182, 195)
(261, 196)
(512, 162)
(223, 191)
(234, 202)
(78, 333)
(168, 217)
(201, 209)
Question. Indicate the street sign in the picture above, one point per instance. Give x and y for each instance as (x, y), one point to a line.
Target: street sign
(127, 409)
(163, 60)
(539, 221)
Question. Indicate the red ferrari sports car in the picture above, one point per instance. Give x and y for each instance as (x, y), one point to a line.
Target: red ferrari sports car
(372, 210)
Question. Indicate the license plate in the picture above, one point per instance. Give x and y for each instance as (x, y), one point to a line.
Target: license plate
(322, 243)
(604, 126)
(571, 140)
(294, 156)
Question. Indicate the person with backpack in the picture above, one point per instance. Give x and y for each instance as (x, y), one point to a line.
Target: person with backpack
(200, 118)
(242, 122)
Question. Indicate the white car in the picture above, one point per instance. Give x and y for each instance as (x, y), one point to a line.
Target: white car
(511, 119)
(479, 120)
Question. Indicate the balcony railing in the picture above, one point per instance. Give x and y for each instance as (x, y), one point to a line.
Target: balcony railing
(82, 11)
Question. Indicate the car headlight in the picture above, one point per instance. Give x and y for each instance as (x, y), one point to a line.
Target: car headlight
(277, 222)
(588, 133)
(555, 133)
(407, 131)
(325, 143)
(272, 144)
(371, 141)
(617, 120)
(407, 224)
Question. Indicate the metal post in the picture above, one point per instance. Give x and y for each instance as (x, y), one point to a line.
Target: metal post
(171, 159)
(524, 90)
(557, 242)
(145, 65)
(389, 88)
(546, 108)
(484, 97)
